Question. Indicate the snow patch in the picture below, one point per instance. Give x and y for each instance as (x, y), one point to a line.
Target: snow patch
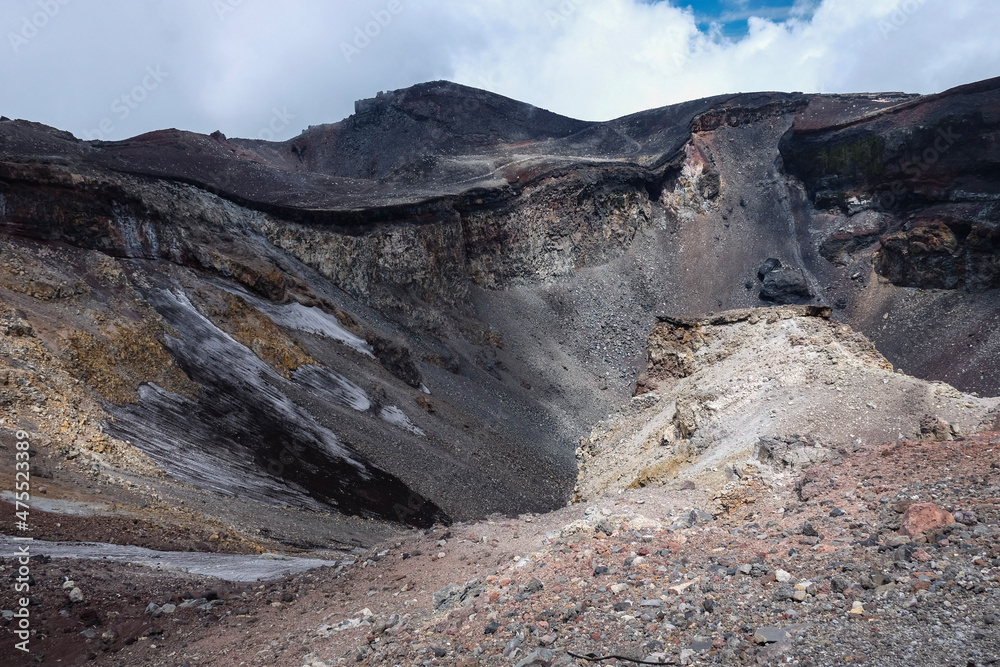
(333, 387)
(238, 363)
(397, 417)
(133, 233)
(244, 461)
(311, 319)
(229, 567)
(69, 507)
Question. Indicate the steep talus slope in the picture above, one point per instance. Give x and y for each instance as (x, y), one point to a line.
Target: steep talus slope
(267, 319)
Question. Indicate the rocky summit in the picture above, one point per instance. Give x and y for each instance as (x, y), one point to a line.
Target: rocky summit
(459, 381)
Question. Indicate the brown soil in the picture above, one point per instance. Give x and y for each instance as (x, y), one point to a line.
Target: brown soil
(257, 331)
(123, 358)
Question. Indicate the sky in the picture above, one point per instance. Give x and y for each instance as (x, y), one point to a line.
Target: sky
(268, 69)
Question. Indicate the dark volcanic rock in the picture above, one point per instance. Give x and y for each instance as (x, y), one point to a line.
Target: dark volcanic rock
(786, 285)
(291, 455)
(934, 254)
(783, 284)
(398, 360)
(770, 264)
(926, 162)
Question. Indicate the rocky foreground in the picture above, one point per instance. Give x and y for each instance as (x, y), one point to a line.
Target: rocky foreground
(888, 555)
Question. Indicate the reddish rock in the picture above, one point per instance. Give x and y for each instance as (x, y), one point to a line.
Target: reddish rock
(922, 517)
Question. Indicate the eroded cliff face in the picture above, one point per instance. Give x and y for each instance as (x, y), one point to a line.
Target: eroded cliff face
(908, 196)
(928, 171)
(415, 313)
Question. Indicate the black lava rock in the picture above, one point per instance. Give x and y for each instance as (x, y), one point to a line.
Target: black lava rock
(785, 286)
(770, 264)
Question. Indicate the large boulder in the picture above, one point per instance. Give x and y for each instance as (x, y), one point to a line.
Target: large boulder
(924, 517)
(786, 285)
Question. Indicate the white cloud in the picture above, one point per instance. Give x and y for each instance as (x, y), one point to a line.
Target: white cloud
(652, 55)
(593, 59)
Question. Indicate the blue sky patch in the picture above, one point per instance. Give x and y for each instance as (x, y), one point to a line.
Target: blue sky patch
(732, 15)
